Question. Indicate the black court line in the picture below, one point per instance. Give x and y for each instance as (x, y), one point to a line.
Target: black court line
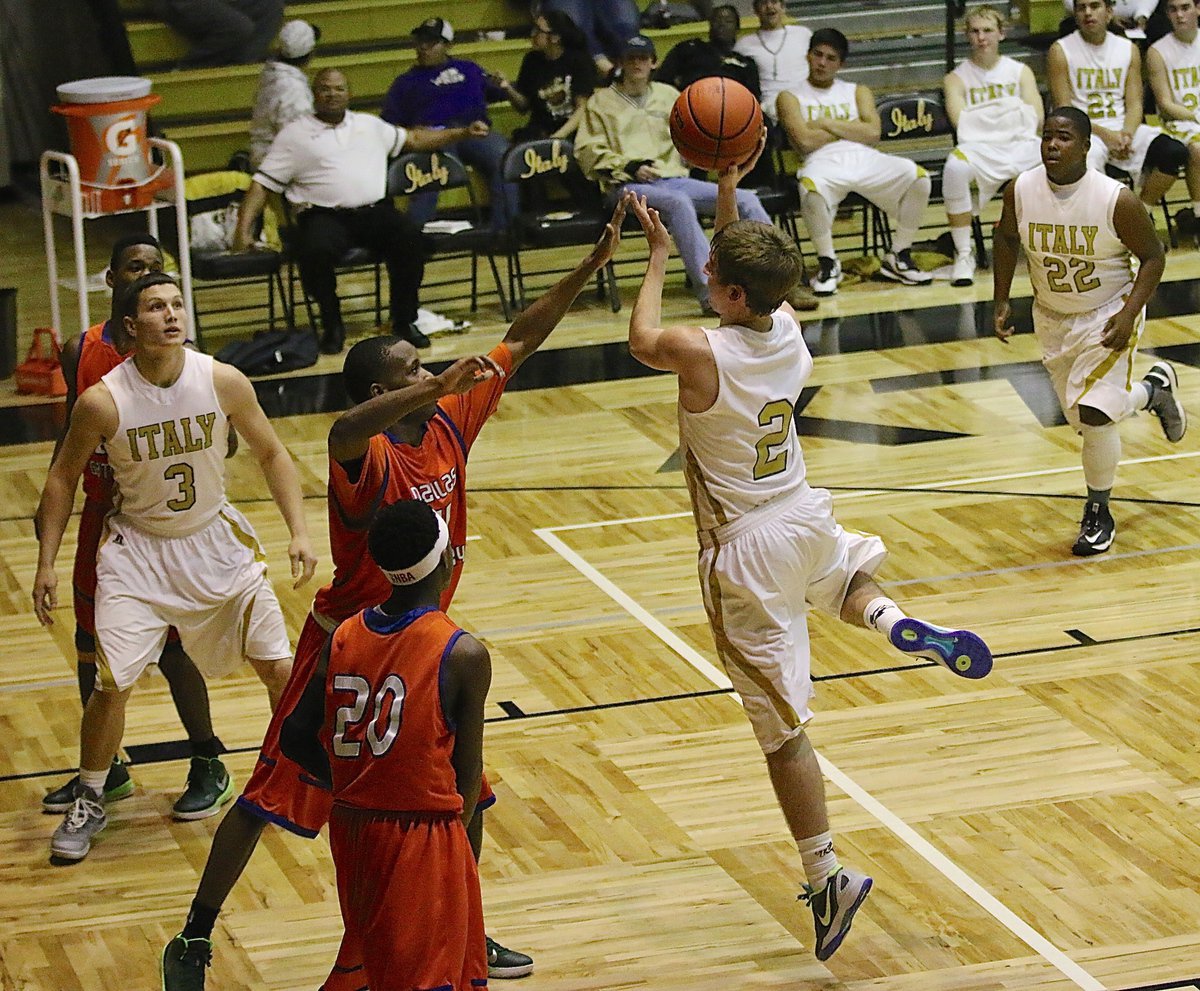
(1184, 985)
(164, 752)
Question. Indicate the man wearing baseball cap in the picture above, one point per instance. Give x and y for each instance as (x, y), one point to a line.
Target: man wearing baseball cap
(624, 143)
(284, 92)
(441, 91)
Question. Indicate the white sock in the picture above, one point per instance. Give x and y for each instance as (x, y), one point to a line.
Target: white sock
(962, 239)
(882, 614)
(818, 858)
(1101, 453)
(1195, 208)
(93, 780)
(1139, 397)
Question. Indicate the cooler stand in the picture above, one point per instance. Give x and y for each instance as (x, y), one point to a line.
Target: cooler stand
(63, 193)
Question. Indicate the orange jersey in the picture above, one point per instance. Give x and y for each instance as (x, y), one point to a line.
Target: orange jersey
(389, 741)
(433, 471)
(97, 357)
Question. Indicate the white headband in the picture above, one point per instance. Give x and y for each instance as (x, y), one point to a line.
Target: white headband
(425, 567)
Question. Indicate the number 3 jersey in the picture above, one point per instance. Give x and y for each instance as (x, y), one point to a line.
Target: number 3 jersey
(390, 744)
(743, 451)
(1077, 263)
(168, 452)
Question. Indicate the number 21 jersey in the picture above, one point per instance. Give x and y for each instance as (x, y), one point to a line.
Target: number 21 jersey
(1077, 263)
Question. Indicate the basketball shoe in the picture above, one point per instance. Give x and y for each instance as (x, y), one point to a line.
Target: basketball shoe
(833, 907)
(899, 267)
(85, 818)
(504, 963)
(1096, 530)
(962, 651)
(828, 277)
(1162, 382)
(209, 786)
(117, 785)
(183, 963)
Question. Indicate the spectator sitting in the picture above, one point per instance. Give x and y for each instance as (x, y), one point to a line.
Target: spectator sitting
(624, 143)
(440, 91)
(715, 56)
(1127, 14)
(557, 76)
(1100, 73)
(332, 166)
(223, 32)
(1172, 65)
(606, 24)
(779, 49)
(283, 92)
(833, 124)
(994, 104)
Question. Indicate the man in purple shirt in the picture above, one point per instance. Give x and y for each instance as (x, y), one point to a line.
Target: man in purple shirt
(440, 91)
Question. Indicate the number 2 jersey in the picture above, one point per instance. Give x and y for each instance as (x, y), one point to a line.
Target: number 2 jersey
(389, 742)
(433, 471)
(743, 450)
(1077, 263)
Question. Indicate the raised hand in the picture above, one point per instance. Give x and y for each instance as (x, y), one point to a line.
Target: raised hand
(610, 238)
(466, 373)
(657, 234)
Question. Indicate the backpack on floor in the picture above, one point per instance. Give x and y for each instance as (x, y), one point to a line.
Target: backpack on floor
(271, 351)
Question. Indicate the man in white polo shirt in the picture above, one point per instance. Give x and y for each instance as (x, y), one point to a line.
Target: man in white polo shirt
(332, 168)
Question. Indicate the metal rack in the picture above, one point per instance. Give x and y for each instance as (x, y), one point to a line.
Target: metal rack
(64, 194)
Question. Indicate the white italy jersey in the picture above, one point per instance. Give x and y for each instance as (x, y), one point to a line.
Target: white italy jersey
(1183, 75)
(984, 86)
(168, 453)
(743, 450)
(1098, 74)
(1077, 263)
(837, 102)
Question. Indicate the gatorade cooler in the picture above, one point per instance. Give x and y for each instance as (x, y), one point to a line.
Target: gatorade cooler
(106, 119)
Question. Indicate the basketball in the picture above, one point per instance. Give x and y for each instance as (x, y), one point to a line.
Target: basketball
(715, 123)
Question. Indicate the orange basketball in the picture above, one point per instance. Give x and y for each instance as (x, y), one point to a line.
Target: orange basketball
(715, 123)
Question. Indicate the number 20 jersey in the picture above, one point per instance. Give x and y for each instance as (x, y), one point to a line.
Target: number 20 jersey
(390, 745)
(743, 451)
(1077, 263)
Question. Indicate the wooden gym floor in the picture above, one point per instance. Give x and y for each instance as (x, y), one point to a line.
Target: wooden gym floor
(1036, 830)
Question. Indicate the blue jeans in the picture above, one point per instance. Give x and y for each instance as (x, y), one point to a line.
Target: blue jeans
(486, 155)
(681, 203)
(607, 24)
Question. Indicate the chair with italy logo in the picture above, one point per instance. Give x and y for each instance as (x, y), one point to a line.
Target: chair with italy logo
(559, 208)
(463, 235)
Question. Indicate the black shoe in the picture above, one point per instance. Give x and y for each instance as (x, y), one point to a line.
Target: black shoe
(413, 334)
(505, 963)
(184, 962)
(1162, 383)
(117, 785)
(333, 340)
(209, 786)
(1096, 531)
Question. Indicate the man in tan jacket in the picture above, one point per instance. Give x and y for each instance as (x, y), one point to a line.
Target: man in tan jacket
(624, 143)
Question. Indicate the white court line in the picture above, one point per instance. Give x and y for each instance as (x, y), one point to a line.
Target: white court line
(918, 487)
(905, 833)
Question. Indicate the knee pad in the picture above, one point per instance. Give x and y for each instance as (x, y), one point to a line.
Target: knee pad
(1167, 155)
(956, 184)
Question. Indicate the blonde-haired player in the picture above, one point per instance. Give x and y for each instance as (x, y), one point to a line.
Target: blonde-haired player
(770, 546)
(1100, 73)
(1080, 231)
(994, 104)
(1173, 65)
(174, 552)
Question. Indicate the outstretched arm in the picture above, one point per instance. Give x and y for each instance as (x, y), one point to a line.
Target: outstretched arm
(240, 404)
(531, 328)
(432, 139)
(351, 433)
